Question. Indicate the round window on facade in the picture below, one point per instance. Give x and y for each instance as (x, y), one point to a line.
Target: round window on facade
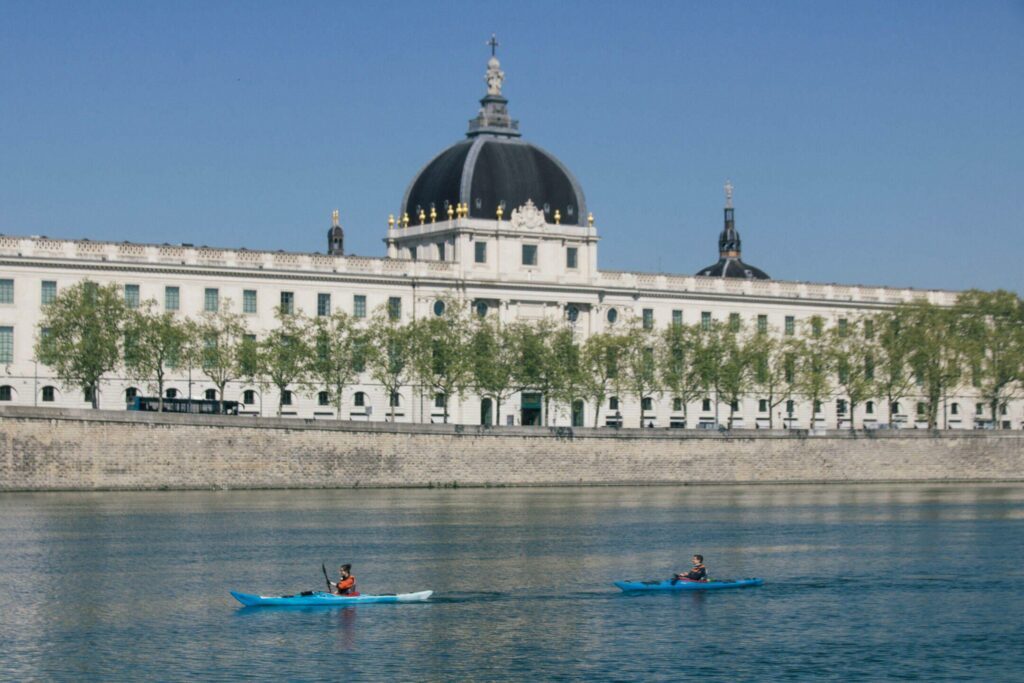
(438, 308)
(481, 308)
(572, 313)
(613, 315)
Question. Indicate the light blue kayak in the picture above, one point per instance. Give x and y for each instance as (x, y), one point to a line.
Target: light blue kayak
(321, 599)
(669, 585)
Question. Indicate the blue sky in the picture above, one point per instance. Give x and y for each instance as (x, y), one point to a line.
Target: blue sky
(869, 142)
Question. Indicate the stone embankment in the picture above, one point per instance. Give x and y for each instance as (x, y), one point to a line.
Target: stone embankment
(54, 449)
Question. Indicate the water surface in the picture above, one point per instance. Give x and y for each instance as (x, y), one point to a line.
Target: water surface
(863, 583)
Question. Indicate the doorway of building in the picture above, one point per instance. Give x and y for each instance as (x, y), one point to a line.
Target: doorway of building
(486, 412)
(577, 413)
(531, 410)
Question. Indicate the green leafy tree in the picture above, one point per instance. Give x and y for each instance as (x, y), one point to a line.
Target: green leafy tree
(894, 379)
(332, 363)
(81, 335)
(221, 338)
(492, 354)
(283, 355)
(937, 355)
(155, 344)
(388, 354)
(709, 352)
(993, 341)
(600, 359)
(816, 363)
(677, 365)
(773, 368)
(734, 375)
(853, 356)
(639, 365)
(440, 352)
(567, 356)
(536, 367)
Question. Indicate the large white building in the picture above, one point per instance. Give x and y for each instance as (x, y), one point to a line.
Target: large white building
(493, 220)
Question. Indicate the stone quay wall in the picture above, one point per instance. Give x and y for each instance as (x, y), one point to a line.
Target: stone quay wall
(63, 449)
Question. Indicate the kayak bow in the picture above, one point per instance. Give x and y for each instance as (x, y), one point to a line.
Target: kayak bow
(669, 585)
(319, 598)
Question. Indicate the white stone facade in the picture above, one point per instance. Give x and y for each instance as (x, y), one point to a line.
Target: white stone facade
(511, 289)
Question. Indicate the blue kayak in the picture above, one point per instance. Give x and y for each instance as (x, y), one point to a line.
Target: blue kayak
(321, 599)
(669, 585)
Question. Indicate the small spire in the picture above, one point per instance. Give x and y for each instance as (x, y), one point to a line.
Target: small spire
(335, 221)
(728, 194)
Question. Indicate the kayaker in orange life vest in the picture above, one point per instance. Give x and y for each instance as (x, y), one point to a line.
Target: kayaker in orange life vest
(698, 573)
(346, 584)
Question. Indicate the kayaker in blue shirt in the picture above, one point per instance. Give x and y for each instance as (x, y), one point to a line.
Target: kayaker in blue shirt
(698, 573)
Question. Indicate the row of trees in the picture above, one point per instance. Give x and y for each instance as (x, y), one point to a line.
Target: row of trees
(916, 350)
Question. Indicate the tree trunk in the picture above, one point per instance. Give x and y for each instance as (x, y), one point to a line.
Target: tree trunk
(95, 396)
(160, 394)
(853, 414)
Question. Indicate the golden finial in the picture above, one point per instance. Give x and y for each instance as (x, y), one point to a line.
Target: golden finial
(423, 217)
(451, 212)
(558, 217)
(405, 220)
(391, 221)
(465, 209)
(334, 219)
(433, 215)
(500, 212)
(590, 219)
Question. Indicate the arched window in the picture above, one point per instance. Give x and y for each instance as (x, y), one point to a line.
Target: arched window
(248, 397)
(286, 397)
(359, 400)
(481, 309)
(129, 394)
(396, 399)
(613, 403)
(171, 393)
(211, 394)
(613, 315)
(323, 398)
(49, 394)
(895, 407)
(955, 408)
(6, 393)
(869, 407)
(439, 401)
(577, 413)
(647, 403)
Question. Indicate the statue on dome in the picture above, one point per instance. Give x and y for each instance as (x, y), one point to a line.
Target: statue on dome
(494, 76)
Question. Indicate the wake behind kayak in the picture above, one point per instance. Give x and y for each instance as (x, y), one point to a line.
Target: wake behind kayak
(670, 585)
(321, 599)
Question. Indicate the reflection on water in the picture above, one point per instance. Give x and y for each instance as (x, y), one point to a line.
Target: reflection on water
(865, 582)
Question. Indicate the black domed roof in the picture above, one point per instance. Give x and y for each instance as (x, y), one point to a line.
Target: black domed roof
(493, 168)
(729, 262)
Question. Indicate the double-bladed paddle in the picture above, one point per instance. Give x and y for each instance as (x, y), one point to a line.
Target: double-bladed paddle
(324, 567)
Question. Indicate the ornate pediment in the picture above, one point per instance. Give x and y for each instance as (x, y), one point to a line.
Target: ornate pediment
(528, 217)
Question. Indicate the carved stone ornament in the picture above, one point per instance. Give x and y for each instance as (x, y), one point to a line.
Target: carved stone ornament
(527, 217)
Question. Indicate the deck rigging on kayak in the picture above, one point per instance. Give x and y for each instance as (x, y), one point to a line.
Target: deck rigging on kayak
(677, 585)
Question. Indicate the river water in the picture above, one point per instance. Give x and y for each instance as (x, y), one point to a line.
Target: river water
(862, 583)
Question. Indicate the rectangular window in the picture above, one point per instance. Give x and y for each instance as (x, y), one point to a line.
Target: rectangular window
(817, 325)
(571, 257)
(529, 254)
(677, 404)
(790, 325)
(613, 403)
(790, 405)
(705, 405)
(979, 408)
(480, 252)
(172, 298)
(734, 322)
(288, 302)
(211, 300)
(955, 408)
(131, 296)
(762, 323)
(869, 329)
(6, 344)
(762, 405)
(869, 407)
(323, 303)
(677, 318)
(921, 408)
(249, 301)
(6, 291)
(844, 327)
(49, 292)
(412, 253)
(395, 308)
(705, 320)
(648, 318)
(841, 406)
(359, 306)
(440, 251)
(439, 400)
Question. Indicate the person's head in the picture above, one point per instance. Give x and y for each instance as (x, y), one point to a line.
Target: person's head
(345, 569)
(698, 559)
